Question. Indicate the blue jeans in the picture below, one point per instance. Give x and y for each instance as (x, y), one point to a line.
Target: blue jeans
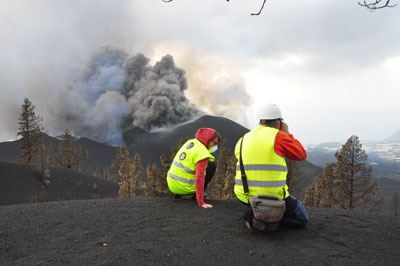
(295, 215)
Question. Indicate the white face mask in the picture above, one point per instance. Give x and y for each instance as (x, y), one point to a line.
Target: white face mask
(213, 149)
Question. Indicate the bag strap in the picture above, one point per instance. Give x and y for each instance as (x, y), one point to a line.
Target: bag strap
(244, 178)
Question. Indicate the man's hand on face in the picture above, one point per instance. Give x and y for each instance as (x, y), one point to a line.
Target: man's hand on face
(206, 206)
(284, 127)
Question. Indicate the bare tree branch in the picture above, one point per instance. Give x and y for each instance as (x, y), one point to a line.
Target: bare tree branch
(259, 12)
(370, 6)
(376, 5)
(253, 14)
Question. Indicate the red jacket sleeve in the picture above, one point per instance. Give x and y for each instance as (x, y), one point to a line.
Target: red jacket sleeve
(199, 180)
(289, 147)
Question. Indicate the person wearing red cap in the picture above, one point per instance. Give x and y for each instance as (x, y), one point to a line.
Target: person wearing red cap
(194, 166)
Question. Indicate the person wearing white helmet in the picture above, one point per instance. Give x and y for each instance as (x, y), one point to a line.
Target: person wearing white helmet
(264, 150)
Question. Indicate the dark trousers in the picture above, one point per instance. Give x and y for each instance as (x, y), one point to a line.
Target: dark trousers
(294, 216)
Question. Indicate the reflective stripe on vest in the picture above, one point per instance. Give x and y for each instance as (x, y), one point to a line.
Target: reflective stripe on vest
(265, 170)
(186, 169)
(180, 179)
(181, 175)
(253, 183)
(262, 167)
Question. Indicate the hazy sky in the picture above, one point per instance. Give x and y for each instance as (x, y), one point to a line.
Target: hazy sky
(332, 66)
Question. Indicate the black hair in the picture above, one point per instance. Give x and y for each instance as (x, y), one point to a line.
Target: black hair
(218, 136)
(270, 123)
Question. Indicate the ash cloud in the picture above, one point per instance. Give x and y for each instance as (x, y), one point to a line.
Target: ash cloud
(157, 93)
(115, 91)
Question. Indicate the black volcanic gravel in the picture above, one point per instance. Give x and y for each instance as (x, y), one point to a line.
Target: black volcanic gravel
(177, 232)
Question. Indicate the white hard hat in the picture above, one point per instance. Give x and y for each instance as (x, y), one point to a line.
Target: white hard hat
(269, 111)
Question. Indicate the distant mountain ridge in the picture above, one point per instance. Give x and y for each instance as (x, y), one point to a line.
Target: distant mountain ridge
(383, 156)
(394, 138)
(20, 183)
(151, 145)
(385, 153)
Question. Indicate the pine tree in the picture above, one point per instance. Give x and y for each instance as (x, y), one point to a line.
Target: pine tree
(150, 188)
(156, 185)
(44, 164)
(396, 203)
(127, 173)
(230, 174)
(96, 173)
(121, 164)
(320, 193)
(291, 180)
(346, 183)
(136, 183)
(68, 155)
(352, 183)
(125, 188)
(309, 196)
(106, 174)
(324, 186)
(130, 181)
(221, 186)
(30, 129)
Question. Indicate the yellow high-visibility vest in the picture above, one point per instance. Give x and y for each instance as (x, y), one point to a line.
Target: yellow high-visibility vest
(265, 170)
(181, 175)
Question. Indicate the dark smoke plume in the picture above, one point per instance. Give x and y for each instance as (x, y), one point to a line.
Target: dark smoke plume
(115, 91)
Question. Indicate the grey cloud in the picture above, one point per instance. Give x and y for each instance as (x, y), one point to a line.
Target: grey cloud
(114, 91)
(157, 93)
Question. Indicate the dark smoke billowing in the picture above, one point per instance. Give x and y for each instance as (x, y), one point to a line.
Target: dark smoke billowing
(115, 91)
